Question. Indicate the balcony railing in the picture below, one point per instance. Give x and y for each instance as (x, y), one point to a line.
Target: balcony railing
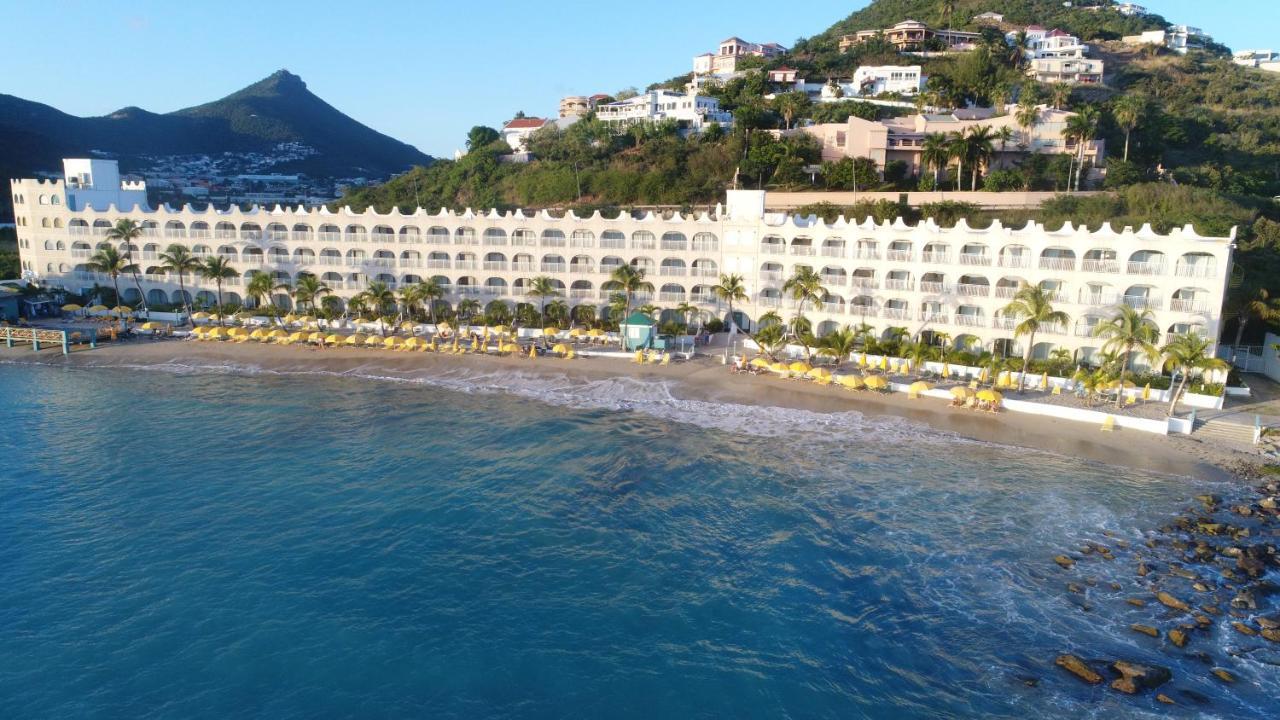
(802, 250)
(1057, 263)
(898, 256)
(834, 280)
(932, 287)
(277, 235)
(935, 318)
(936, 258)
(676, 245)
(864, 311)
(704, 272)
(582, 242)
(1188, 305)
(613, 243)
(554, 242)
(1099, 299)
(892, 313)
(330, 260)
(1004, 323)
(973, 290)
(833, 252)
(330, 237)
(1015, 261)
(1086, 330)
(300, 236)
(410, 262)
(553, 267)
(970, 320)
(834, 308)
(897, 284)
(251, 259)
(867, 254)
(522, 266)
(438, 264)
(466, 265)
(860, 281)
(437, 239)
(772, 302)
(1145, 268)
(1199, 270)
(770, 276)
(670, 271)
(706, 246)
(1139, 302)
(675, 297)
(1100, 266)
(581, 294)
(251, 235)
(771, 249)
(975, 259)
(498, 265)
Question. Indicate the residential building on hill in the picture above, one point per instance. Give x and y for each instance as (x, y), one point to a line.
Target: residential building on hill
(1129, 9)
(1042, 43)
(725, 60)
(1262, 59)
(1055, 56)
(914, 36)
(1178, 38)
(903, 139)
(926, 278)
(988, 17)
(1082, 71)
(692, 112)
(875, 79)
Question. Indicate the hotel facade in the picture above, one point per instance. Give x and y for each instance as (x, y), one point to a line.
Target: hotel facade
(924, 278)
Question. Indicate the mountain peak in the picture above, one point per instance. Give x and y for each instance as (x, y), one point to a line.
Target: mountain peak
(280, 82)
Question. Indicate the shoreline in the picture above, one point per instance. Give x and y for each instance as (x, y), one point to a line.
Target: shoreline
(703, 379)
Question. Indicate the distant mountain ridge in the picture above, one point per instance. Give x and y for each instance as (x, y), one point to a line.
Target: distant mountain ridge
(277, 109)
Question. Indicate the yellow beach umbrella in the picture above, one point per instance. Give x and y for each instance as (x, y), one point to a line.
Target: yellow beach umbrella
(200, 330)
(961, 392)
(576, 332)
(307, 318)
(259, 334)
(315, 337)
(372, 341)
(408, 325)
(1146, 392)
(290, 318)
(333, 339)
(278, 334)
(906, 367)
(355, 339)
(595, 332)
(876, 382)
(918, 386)
(237, 332)
(780, 368)
(216, 334)
(508, 348)
(71, 307)
(990, 396)
(800, 366)
(298, 336)
(561, 349)
(194, 316)
(884, 363)
(533, 352)
(243, 315)
(151, 326)
(853, 382)
(391, 342)
(122, 309)
(946, 370)
(760, 362)
(104, 308)
(820, 374)
(862, 361)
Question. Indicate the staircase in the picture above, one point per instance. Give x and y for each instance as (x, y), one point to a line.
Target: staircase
(1223, 430)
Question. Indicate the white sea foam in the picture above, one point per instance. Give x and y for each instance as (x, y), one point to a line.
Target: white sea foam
(623, 394)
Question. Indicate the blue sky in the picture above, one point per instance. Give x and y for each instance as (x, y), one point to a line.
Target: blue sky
(425, 71)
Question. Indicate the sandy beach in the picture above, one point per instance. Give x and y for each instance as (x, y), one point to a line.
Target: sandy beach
(703, 379)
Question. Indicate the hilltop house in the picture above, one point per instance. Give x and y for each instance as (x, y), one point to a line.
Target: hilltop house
(516, 132)
(1261, 59)
(692, 112)
(914, 36)
(725, 60)
(1178, 38)
(989, 18)
(1129, 9)
(902, 139)
(871, 80)
(1055, 56)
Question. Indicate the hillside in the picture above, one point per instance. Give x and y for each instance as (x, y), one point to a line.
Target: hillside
(277, 109)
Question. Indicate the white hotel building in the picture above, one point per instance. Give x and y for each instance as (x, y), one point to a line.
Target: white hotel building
(925, 278)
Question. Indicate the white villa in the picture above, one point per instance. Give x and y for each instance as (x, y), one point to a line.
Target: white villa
(1268, 60)
(1055, 56)
(725, 60)
(925, 278)
(691, 111)
(876, 79)
(1178, 38)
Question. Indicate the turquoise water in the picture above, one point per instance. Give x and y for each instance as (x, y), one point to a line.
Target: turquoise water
(181, 545)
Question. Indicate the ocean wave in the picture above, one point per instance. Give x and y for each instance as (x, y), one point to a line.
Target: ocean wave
(652, 398)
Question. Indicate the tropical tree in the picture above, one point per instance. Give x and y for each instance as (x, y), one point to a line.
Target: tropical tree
(125, 231)
(260, 288)
(1082, 127)
(958, 147)
(309, 290)
(805, 286)
(217, 269)
(178, 259)
(630, 280)
(585, 314)
(1017, 50)
(1188, 353)
(1128, 112)
(1129, 331)
(685, 311)
(1027, 116)
(410, 298)
(1034, 305)
(649, 310)
(378, 297)
(108, 260)
(1248, 302)
(979, 147)
(1059, 95)
(791, 104)
(497, 312)
(771, 340)
(429, 291)
(730, 289)
(542, 287)
(838, 344)
(467, 308)
(936, 154)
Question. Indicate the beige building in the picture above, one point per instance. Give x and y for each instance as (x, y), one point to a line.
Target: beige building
(913, 36)
(903, 138)
(1078, 70)
(926, 278)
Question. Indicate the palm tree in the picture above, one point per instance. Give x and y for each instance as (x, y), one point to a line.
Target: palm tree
(1129, 330)
(308, 290)
(585, 314)
(838, 344)
(1034, 305)
(1082, 127)
(125, 231)
(497, 312)
(217, 269)
(771, 340)
(467, 308)
(1059, 95)
(979, 148)
(630, 280)
(731, 289)
(936, 154)
(958, 147)
(1128, 112)
(410, 296)
(108, 260)
(1018, 50)
(1189, 353)
(379, 297)
(1248, 302)
(1027, 116)
(178, 259)
(542, 287)
(429, 291)
(805, 285)
(259, 289)
(684, 310)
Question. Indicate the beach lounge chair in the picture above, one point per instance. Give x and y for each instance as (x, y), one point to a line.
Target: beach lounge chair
(1109, 425)
(666, 358)
(1057, 390)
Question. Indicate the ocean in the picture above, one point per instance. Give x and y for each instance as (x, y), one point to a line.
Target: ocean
(182, 544)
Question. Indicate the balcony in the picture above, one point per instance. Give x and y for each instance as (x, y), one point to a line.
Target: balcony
(410, 263)
(436, 239)
(280, 235)
(973, 290)
(975, 259)
(1194, 271)
(933, 318)
(1057, 263)
(381, 262)
(704, 272)
(553, 267)
(221, 234)
(300, 236)
(332, 237)
(806, 250)
(1141, 302)
(770, 302)
(897, 285)
(970, 321)
(1101, 266)
(866, 254)
(1015, 261)
(706, 246)
(495, 265)
(522, 266)
(833, 308)
(773, 249)
(466, 265)
(834, 280)
(892, 313)
(770, 276)
(384, 238)
(81, 253)
(860, 281)
(933, 288)
(675, 297)
(666, 271)
(1006, 291)
(581, 294)
(330, 260)
(582, 243)
(1004, 323)
(1190, 305)
(252, 259)
(613, 243)
(438, 264)
(864, 311)
(833, 252)
(251, 235)
(898, 255)
(1086, 330)
(553, 242)
(936, 258)
(674, 245)
(1145, 268)
(198, 234)
(1100, 299)
(149, 255)
(175, 233)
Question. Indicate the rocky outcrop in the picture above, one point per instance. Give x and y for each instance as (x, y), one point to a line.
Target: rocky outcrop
(1079, 668)
(1135, 677)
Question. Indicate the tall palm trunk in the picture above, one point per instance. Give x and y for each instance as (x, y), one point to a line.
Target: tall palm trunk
(1240, 331)
(1182, 385)
(1124, 371)
(1126, 145)
(182, 288)
(959, 174)
(115, 284)
(219, 284)
(1026, 361)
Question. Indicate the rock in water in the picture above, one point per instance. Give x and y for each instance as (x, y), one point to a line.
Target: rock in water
(1223, 675)
(1145, 630)
(1064, 561)
(1271, 634)
(1243, 629)
(1143, 570)
(1178, 637)
(1165, 699)
(1135, 677)
(1136, 602)
(1079, 668)
(1170, 601)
